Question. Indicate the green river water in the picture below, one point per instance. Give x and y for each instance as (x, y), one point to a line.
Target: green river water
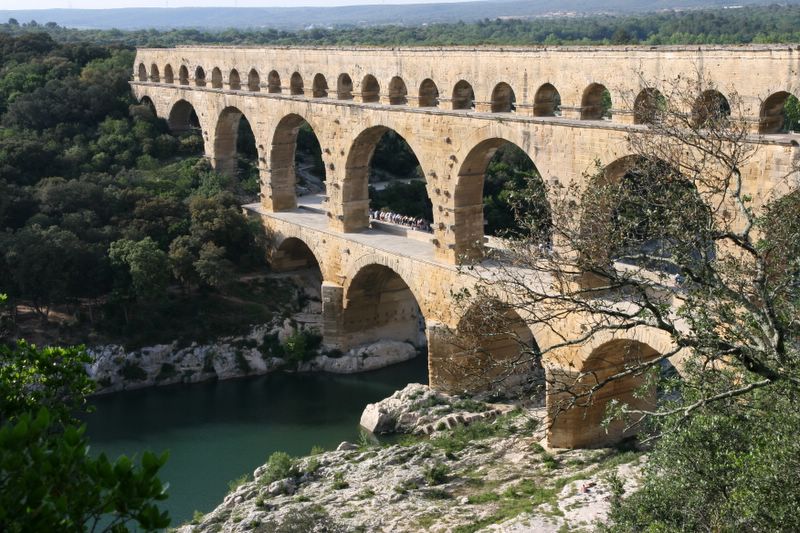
(217, 431)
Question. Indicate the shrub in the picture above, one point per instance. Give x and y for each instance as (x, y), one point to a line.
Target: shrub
(280, 465)
(339, 482)
(238, 482)
(167, 371)
(436, 474)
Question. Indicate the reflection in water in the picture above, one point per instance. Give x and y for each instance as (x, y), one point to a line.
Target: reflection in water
(217, 431)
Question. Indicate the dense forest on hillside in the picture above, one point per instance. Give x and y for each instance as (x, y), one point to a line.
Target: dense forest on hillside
(101, 209)
(768, 24)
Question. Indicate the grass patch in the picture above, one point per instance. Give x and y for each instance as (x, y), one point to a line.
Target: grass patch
(238, 482)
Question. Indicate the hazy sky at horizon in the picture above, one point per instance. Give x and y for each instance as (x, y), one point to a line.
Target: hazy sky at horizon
(105, 4)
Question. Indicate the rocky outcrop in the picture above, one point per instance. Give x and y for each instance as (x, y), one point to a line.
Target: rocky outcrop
(497, 478)
(115, 369)
(418, 409)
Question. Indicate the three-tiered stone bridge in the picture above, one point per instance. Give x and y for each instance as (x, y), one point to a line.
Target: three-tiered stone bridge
(455, 107)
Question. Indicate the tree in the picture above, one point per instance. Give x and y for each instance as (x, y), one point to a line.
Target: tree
(669, 244)
(142, 267)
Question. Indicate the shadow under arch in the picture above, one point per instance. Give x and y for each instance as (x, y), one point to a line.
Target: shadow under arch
(596, 102)
(547, 101)
(216, 78)
(274, 82)
(709, 107)
(283, 177)
(577, 418)
(292, 254)
(379, 305)
(344, 87)
(142, 72)
(647, 107)
(226, 140)
(469, 218)
(493, 348)
(503, 99)
(398, 93)
(147, 101)
(370, 89)
(183, 117)
(463, 96)
(428, 94)
(320, 86)
(355, 187)
(169, 75)
(253, 81)
(154, 74)
(183, 75)
(234, 80)
(772, 116)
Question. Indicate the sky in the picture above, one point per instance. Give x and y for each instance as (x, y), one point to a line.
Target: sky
(98, 4)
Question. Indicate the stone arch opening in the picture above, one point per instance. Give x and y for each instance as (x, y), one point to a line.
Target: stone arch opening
(380, 306)
(485, 203)
(398, 93)
(216, 78)
(493, 347)
(383, 174)
(643, 212)
(254, 81)
(142, 72)
(234, 81)
(169, 76)
(293, 254)
(648, 106)
(154, 74)
(773, 115)
(200, 77)
(547, 101)
(581, 426)
(296, 84)
(710, 106)
(183, 118)
(596, 102)
(147, 101)
(503, 99)
(236, 151)
(274, 82)
(463, 96)
(183, 75)
(344, 87)
(320, 86)
(370, 89)
(428, 94)
(296, 165)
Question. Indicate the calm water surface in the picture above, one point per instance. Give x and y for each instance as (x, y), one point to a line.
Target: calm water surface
(217, 431)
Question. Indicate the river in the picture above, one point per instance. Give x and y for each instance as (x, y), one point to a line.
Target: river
(217, 431)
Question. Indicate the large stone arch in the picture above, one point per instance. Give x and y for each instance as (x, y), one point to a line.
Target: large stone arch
(468, 220)
(289, 253)
(576, 417)
(490, 347)
(183, 117)
(355, 187)
(226, 135)
(380, 305)
(280, 185)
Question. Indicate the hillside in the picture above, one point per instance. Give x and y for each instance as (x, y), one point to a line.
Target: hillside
(362, 15)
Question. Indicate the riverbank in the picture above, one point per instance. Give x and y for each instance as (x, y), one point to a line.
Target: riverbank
(487, 476)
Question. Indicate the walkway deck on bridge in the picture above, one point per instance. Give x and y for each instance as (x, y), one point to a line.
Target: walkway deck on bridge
(310, 214)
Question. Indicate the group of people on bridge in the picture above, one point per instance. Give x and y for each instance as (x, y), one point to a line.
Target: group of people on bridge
(417, 223)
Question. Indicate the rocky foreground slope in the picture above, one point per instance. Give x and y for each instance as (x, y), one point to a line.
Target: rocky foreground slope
(490, 475)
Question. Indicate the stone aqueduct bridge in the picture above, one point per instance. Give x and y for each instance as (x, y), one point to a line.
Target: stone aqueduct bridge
(454, 107)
